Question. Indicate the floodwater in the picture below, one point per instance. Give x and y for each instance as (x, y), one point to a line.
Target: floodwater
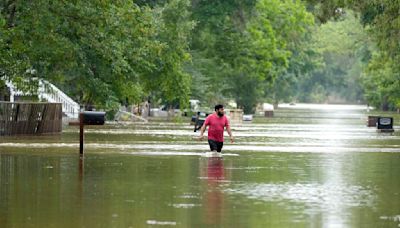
(309, 166)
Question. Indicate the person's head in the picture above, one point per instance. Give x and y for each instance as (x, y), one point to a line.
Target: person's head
(219, 109)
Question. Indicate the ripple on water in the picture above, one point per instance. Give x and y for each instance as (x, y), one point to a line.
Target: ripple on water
(395, 218)
(318, 197)
(197, 149)
(189, 196)
(185, 205)
(161, 223)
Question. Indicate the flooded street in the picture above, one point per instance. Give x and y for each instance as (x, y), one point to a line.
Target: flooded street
(309, 166)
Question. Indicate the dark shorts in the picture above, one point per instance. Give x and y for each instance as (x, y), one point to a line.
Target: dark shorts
(215, 146)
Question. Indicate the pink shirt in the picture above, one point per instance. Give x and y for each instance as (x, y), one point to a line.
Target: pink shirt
(216, 127)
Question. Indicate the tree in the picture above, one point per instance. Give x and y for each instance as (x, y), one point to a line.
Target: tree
(381, 82)
(248, 40)
(380, 18)
(101, 53)
(174, 28)
(344, 47)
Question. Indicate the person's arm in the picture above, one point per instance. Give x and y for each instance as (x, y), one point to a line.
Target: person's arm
(202, 130)
(228, 129)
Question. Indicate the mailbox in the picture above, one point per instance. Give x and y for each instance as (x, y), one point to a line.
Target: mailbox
(93, 118)
(88, 118)
(199, 124)
(199, 120)
(385, 123)
(193, 120)
(247, 117)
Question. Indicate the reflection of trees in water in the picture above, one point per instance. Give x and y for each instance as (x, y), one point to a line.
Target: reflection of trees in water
(28, 184)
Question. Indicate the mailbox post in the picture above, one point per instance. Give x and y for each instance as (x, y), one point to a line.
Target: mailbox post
(81, 129)
(199, 120)
(88, 118)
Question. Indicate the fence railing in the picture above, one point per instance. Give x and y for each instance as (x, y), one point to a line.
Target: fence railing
(29, 118)
(50, 93)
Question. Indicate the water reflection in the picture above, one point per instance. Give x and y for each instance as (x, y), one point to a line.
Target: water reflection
(147, 175)
(81, 172)
(304, 146)
(214, 173)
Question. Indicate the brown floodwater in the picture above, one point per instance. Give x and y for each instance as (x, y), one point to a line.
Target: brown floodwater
(309, 166)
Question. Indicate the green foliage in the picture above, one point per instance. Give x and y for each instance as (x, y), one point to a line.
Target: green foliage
(382, 82)
(107, 53)
(249, 41)
(381, 19)
(343, 45)
(326, 64)
(305, 58)
(174, 26)
(99, 52)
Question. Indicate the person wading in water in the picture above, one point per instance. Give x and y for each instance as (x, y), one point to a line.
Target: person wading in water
(217, 122)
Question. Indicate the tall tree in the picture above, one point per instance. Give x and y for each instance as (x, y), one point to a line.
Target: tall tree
(99, 52)
(344, 47)
(249, 42)
(169, 79)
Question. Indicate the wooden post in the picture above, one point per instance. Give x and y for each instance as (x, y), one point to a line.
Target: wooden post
(372, 121)
(81, 133)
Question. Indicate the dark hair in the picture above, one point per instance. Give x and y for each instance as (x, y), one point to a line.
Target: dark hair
(218, 106)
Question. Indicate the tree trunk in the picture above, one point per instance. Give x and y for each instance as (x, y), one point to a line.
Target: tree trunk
(11, 8)
(171, 112)
(385, 104)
